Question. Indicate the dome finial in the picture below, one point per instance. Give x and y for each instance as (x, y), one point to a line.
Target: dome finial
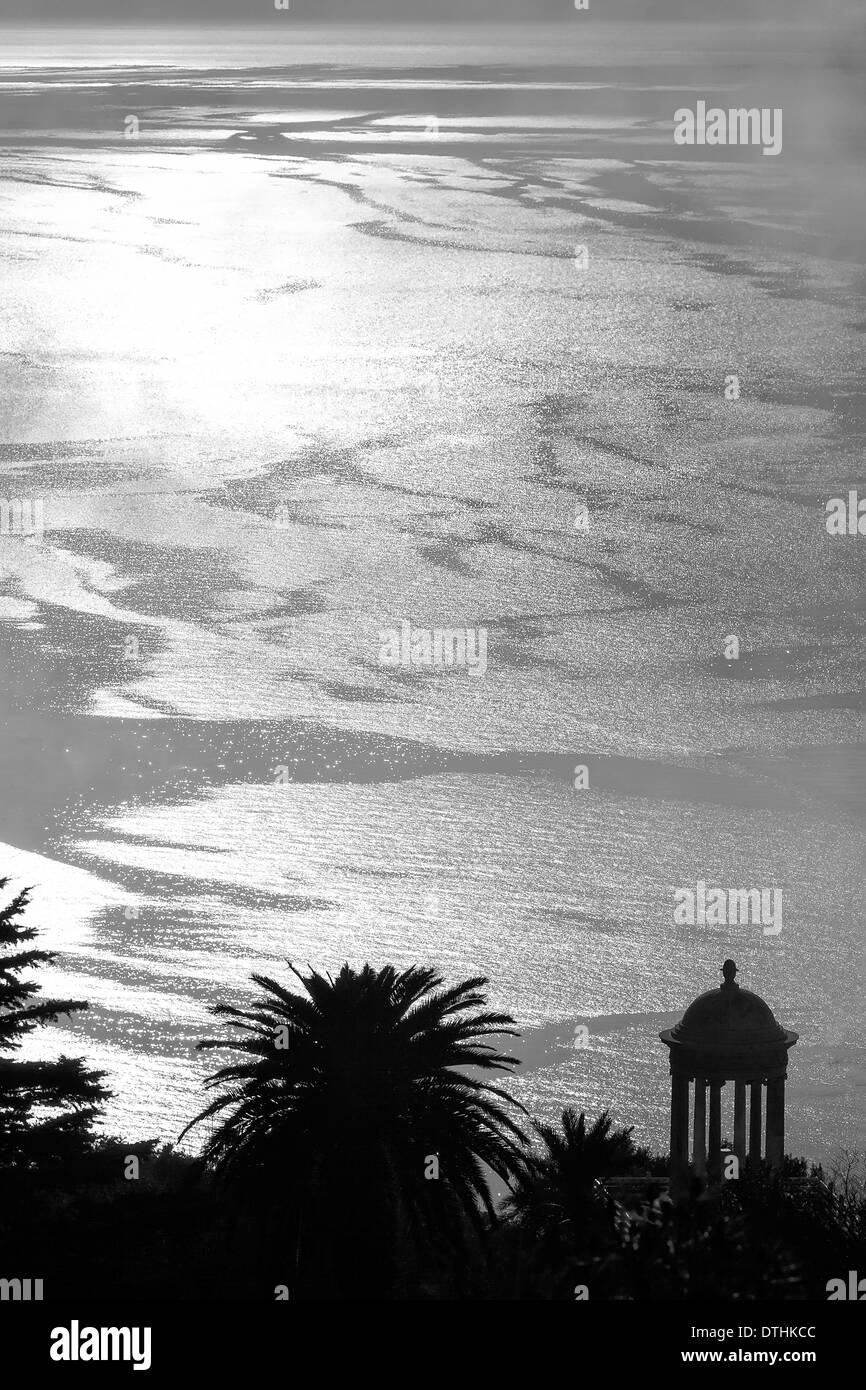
(729, 970)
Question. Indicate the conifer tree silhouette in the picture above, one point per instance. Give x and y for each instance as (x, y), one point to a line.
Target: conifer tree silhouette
(47, 1108)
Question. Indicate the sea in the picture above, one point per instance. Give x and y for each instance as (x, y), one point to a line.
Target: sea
(308, 334)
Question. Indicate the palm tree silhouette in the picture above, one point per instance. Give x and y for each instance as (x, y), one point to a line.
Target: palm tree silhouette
(556, 1194)
(353, 1119)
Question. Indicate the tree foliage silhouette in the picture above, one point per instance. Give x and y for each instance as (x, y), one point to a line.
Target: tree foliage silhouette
(47, 1108)
(343, 1097)
(556, 1187)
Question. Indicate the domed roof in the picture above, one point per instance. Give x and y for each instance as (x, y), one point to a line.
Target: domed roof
(729, 1014)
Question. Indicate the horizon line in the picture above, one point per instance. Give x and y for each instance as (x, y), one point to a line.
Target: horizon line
(192, 21)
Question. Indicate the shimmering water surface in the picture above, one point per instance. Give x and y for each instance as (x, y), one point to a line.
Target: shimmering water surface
(314, 353)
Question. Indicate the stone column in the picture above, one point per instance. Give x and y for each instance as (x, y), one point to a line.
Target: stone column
(755, 1122)
(679, 1128)
(776, 1121)
(740, 1121)
(714, 1144)
(699, 1147)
